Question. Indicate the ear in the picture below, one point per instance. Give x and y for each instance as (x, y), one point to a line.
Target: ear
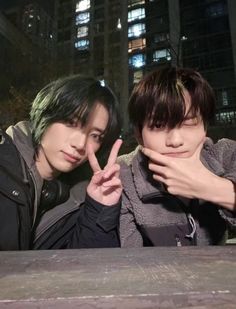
(138, 136)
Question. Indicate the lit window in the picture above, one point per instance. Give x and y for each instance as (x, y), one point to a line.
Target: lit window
(82, 18)
(226, 117)
(138, 76)
(82, 44)
(82, 5)
(136, 30)
(82, 31)
(137, 44)
(136, 14)
(161, 55)
(224, 95)
(135, 2)
(137, 60)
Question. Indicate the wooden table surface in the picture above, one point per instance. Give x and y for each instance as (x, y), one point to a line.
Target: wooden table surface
(181, 277)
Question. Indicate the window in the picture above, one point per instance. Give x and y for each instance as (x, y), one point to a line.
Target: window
(161, 37)
(82, 5)
(225, 100)
(226, 117)
(216, 9)
(161, 55)
(82, 31)
(138, 76)
(136, 14)
(82, 18)
(132, 3)
(136, 30)
(82, 44)
(99, 14)
(136, 44)
(137, 60)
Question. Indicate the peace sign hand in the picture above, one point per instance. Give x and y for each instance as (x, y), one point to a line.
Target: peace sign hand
(105, 186)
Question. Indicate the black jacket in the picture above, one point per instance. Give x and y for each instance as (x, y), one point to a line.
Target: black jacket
(23, 205)
(88, 224)
(15, 198)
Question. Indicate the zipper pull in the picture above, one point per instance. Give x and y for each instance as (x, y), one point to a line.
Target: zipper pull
(178, 242)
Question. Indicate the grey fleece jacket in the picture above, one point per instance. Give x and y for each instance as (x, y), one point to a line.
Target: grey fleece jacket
(146, 206)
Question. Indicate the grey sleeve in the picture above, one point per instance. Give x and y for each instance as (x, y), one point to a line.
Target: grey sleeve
(129, 233)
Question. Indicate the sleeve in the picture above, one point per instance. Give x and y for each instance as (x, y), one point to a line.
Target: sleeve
(9, 226)
(129, 233)
(226, 151)
(96, 226)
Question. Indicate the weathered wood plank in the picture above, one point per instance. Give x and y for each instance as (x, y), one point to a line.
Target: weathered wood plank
(196, 277)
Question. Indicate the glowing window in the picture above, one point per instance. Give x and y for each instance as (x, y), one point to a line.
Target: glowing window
(137, 60)
(82, 18)
(136, 14)
(136, 30)
(82, 31)
(82, 5)
(82, 44)
(135, 2)
(138, 76)
(137, 44)
(161, 55)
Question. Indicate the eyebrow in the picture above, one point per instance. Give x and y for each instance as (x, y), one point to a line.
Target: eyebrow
(99, 129)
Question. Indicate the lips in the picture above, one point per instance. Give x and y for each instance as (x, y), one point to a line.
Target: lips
(70, 158)
(176, 154)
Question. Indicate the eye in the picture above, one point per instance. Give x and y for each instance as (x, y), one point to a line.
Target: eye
(97, 137)
(190, 122)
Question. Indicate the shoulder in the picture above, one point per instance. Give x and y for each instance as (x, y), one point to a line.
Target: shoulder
(220, 157)
(126, 159)
(8, 150)
(223, 147)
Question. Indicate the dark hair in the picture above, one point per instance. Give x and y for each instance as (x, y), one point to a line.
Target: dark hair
(158, 99)
(69, 99)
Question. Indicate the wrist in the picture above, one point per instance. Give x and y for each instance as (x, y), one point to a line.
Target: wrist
(221, 191)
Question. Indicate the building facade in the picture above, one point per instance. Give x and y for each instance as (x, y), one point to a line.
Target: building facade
(121, 40)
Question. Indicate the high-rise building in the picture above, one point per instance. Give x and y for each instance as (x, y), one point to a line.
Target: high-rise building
(120, 40)
(26, 57)
(210, 29)
(35, 22)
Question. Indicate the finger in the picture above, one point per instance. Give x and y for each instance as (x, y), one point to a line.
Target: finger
(92, 159)
(114, 182)
(159, 178)
(114, 153)
(113, 170)
(157, 169)
(155, 156)
(97, 178)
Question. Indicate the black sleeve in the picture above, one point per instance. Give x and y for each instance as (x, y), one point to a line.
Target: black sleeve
(96, 226)
(92, 225)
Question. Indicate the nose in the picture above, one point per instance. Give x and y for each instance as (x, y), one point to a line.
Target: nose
(174, 138)
(78, 142)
